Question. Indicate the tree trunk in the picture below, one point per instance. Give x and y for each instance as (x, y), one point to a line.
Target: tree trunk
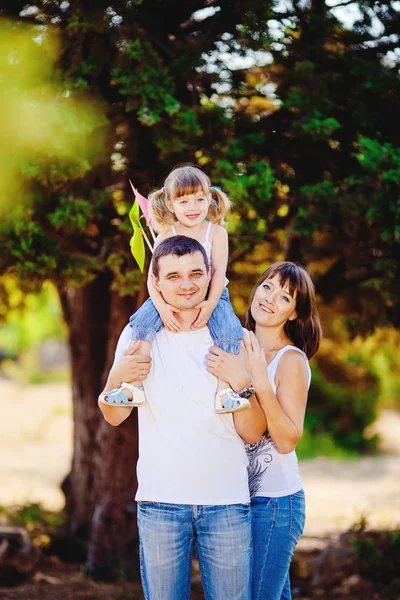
(100, 488)
(293, 248)
(113, 547)
(86, 312)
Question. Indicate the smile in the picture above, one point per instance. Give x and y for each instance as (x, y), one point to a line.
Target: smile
(266, 309)
(192, 216)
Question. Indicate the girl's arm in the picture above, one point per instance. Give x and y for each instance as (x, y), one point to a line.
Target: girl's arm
(284, 411)
(219, 263)
(165, 311)
(154, 294)
(220, 251)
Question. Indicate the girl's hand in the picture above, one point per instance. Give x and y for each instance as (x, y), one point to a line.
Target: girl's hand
(167, 316)
(256, 363)
(205, 313)
(131, 366)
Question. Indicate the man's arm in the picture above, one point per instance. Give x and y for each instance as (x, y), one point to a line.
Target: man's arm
(127, 367)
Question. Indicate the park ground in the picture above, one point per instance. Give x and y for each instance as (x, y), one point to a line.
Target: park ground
(35, 454)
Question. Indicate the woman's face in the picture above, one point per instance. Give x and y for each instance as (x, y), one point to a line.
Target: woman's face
(273, 305)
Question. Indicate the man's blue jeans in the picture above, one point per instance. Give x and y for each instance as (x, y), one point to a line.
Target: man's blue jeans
(277, 524)
(221, 536)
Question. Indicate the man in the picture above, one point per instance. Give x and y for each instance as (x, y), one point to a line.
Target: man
(192, 467)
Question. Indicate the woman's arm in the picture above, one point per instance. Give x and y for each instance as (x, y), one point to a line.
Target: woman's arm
(284, 411)
(250, 424)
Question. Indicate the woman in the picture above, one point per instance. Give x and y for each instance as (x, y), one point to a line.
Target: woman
(284, 332)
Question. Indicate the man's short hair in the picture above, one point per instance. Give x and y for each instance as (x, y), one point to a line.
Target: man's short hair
(177, 245)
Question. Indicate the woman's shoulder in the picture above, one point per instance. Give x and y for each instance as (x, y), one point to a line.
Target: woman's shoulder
(290, 354)
(294, 360)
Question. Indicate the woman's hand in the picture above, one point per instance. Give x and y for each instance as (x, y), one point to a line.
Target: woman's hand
(167, 315)
(130, 367)
(206, 309)
(228, 367)
(256, 363)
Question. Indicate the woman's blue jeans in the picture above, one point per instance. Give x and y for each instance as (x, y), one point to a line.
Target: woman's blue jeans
(277, 524)
(221, 536)
(225, 328)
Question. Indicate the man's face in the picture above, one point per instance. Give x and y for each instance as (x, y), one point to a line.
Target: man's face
(182, 280)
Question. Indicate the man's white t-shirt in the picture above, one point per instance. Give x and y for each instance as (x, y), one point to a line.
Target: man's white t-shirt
(188, 454)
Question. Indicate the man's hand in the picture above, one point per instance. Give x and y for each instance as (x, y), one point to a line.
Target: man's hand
(130, 367)
(228, 367)
(206, 309)
(167, 316)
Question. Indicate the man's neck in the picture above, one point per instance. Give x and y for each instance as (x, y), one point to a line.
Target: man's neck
(186, 318)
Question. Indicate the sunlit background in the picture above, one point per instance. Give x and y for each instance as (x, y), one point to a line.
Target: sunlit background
(78, 118)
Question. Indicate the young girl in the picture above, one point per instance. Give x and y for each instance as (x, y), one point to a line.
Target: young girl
(188, 205)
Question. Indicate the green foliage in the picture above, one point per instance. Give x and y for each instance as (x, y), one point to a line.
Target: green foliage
(306, 145)
(42, 525)
(145, 82)
(314, 444)
(380, 351)
(319, 126)
(28, 319)
(378, 555)
(343, 400)
(252, 186)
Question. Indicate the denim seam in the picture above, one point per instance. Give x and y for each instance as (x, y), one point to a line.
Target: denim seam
(299, 494)
(142, 572)
(273, 521)
(295, 536)
(188, 572)
(145, 335)
(141, 329)
(203, 572)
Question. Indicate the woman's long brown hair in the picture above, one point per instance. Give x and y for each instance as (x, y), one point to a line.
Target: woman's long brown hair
(305, 330)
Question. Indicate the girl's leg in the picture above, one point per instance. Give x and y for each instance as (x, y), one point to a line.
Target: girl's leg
(145, 323)
(277, 524)
(227, 333)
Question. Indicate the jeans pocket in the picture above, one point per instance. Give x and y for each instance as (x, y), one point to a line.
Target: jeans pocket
(245, 508)
(297, 514)
(143, 505)
(299, 494)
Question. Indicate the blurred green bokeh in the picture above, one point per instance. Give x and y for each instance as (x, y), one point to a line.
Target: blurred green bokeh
(40, 120)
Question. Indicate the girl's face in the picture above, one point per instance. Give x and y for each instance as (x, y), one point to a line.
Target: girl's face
(273, 305)
(190, 210)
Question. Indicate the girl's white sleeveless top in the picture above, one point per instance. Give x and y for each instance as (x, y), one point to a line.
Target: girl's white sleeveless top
(272, 474)
(206, 244)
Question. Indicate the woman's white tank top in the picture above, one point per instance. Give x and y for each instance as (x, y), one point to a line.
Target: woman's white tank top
(272, 474)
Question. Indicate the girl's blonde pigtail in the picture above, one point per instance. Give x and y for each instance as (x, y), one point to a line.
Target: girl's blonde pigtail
(219, 207)
(160, 215)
